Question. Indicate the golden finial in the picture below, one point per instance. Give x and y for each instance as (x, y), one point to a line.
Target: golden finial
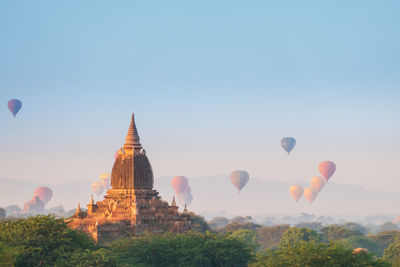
(132, 138)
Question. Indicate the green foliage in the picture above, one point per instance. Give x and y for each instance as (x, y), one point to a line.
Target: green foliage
(354, 242)
(294, 235)
(336, 232)
(355, 227)
(192, 249)
(8, 254)
(43, 239)
(102, 257)
(270, 237)
(392, 254)
(383, 240)
(48, 241)
(247, 236)
(237, 226)
(315, 254)
(316, 226)
(198, 223)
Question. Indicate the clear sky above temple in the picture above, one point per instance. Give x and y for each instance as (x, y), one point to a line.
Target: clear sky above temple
(214, 86)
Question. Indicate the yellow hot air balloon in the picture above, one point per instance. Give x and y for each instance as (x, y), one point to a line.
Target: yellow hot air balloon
(296, 191)
(317, 183)
(310, 194)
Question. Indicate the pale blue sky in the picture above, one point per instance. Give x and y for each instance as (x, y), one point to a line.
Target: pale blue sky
(214, 85)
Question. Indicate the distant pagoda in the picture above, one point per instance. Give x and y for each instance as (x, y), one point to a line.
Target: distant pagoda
(131, 206)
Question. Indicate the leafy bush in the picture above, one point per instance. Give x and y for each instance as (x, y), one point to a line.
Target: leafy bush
(336, 232)
(270, 237)
(303, 253)
(191, 249)
(294, 235)
(41, 240)
(392, 254)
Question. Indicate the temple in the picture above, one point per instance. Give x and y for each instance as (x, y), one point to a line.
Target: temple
(131, 206)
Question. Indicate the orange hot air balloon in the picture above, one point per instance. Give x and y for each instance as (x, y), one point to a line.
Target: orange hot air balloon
(317, 183)
(327, 169)
(310, 194)
(296, 191)
(180, 184)
(97, 188)
(44, 193)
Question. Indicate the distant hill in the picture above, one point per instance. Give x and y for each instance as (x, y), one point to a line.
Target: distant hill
(215, 195)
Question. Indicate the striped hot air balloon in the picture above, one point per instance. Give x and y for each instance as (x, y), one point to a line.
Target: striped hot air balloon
(239, 179)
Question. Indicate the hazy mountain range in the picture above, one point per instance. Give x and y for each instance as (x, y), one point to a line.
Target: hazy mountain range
(215, 195)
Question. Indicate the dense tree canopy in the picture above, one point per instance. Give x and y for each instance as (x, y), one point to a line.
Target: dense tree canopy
(198, 223)
(355, 227)
(192, 249)
(40, 240)
(48, 241)
(300, 254)
(269, 237)
(295, 235)
(335, 232)
(392, 254)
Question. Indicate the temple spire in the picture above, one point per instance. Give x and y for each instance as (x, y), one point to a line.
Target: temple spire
(173, 204)
(91, 199)
(78, 209)
(132, 138)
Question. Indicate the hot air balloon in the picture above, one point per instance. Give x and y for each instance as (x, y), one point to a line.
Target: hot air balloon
(288, 143)
(187, 189)
(317, 183)
(97, 188)
(180, 183)
(105, 180)
(296, 191)
(310, 194)
(185, 198)
(44, 193)
(327, 169)
(239, 179)
(14, 105)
